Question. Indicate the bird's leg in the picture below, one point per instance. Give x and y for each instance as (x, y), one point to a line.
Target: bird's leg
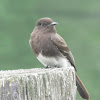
(46, 67)
(57, 66)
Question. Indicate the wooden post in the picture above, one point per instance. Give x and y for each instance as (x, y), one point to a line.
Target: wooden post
(38, 84)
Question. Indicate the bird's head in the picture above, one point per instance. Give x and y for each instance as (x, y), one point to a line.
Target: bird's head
(46, 25)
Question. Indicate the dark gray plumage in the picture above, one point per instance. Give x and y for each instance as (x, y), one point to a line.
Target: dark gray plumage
(52, 51)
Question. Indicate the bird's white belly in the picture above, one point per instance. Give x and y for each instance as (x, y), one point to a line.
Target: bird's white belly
(54, 61)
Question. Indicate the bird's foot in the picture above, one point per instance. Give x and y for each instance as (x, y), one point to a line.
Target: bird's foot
(46, 67)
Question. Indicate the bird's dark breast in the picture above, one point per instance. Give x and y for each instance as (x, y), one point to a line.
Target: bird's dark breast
(45, 46)
(49, 49)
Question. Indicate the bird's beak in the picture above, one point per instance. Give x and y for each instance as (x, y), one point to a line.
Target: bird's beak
(54, 23)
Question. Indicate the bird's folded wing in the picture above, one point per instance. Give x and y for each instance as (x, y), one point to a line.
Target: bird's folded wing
(59, 42)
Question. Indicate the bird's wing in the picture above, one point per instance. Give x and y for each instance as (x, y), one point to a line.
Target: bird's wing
(63, 48)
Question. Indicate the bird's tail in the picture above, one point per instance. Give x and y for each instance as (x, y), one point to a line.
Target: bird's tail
(81, 88)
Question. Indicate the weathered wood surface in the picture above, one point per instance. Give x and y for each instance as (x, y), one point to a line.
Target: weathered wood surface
(38, 84)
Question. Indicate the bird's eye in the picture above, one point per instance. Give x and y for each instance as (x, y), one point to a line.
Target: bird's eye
(44, 24)
(40, 24)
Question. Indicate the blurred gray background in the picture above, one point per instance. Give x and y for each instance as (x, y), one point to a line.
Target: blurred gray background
(79, 25)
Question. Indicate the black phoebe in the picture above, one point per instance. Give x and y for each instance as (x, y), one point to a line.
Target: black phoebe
(52, 51)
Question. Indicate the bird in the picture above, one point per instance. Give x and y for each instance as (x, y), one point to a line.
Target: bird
(52, 51)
